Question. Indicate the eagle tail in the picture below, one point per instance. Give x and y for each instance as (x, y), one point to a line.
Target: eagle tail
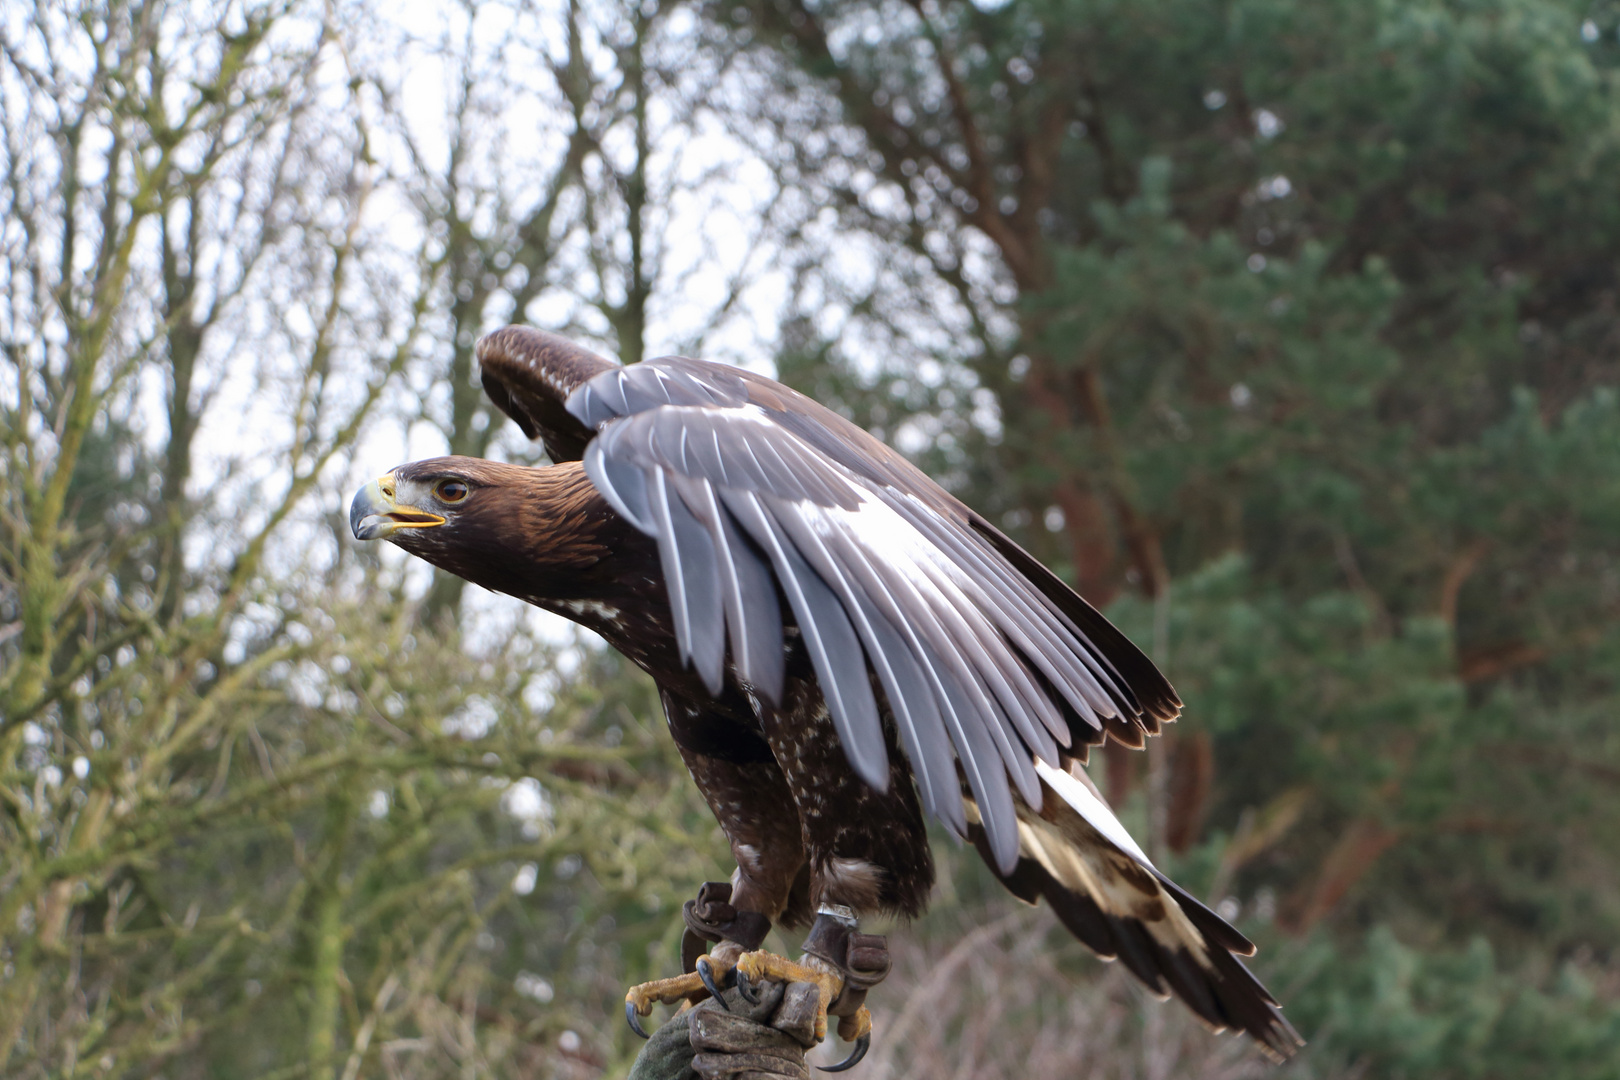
(1076, 855)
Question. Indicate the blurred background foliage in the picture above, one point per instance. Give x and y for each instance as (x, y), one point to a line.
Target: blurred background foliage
(1285, 330)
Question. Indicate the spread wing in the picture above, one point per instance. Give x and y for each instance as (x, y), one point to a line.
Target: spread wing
(985, 663)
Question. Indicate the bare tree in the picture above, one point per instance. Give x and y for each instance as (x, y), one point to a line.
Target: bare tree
(547, 188)
(236, 789)
(150, 152)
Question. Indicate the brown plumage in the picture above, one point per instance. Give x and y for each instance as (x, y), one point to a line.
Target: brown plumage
(841, 646)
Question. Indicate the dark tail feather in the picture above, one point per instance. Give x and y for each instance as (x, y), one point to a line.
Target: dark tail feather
(1221, 991)
(1211, 925)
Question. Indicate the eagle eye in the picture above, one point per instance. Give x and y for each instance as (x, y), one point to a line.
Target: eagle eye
(451, 491)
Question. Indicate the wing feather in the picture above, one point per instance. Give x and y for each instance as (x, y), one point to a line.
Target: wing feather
(691, 567)
(752, 615)
(971, 643)
(835, 651)
(918, 720)
(742, 482)
(930, 614)
(607, 399)
(950, 609)
(624, 485)
(991, 794)
(1024, 618)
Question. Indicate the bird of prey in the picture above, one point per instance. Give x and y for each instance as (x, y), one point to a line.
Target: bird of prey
(841, 647)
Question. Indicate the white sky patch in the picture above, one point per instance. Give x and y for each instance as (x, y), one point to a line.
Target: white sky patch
(1275, 187)
(528, 802)
(535, 987)
(710, 193)
(915, 435)
(540, 693)
(475, 719)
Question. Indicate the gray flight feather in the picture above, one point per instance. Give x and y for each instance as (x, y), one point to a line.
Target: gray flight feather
(699, 567)
(756, 627)
(977, 662)
(1035, 628)
(986, 781)
(688, 559)
(917, 718)
(624, 485)
(835, 651)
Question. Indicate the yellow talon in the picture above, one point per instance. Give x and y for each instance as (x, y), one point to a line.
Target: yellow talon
(763, 966)
(690, 988)
(668, 991)
(646, 995)
(853, 1027)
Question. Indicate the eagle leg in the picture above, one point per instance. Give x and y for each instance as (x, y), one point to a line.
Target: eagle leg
(855, 1026)
(861, 959)
(711, 918)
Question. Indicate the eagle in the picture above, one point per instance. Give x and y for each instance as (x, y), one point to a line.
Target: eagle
(842, 649)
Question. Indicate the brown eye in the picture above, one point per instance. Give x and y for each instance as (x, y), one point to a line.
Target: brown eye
(451, 491)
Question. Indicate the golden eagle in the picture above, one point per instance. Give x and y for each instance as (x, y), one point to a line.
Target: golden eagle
(841, 646)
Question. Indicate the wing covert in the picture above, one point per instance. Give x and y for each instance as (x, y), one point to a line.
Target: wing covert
(529, 373)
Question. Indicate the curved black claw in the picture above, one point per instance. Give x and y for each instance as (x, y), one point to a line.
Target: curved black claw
(862, 1045)
(745, 987)
(634, 1019)
(705, 972)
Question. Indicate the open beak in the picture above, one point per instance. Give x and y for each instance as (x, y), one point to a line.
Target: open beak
(375, 515)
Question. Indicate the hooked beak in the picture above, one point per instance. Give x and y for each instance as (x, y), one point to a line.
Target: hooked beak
(374, 515)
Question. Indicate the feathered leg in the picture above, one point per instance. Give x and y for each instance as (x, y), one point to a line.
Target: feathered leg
(745, 788)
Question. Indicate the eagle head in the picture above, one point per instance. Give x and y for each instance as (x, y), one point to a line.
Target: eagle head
(420, 496)
(505, 527)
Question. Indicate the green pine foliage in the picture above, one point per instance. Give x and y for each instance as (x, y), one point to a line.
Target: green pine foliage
(1401, 1011)
(1326, 296)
